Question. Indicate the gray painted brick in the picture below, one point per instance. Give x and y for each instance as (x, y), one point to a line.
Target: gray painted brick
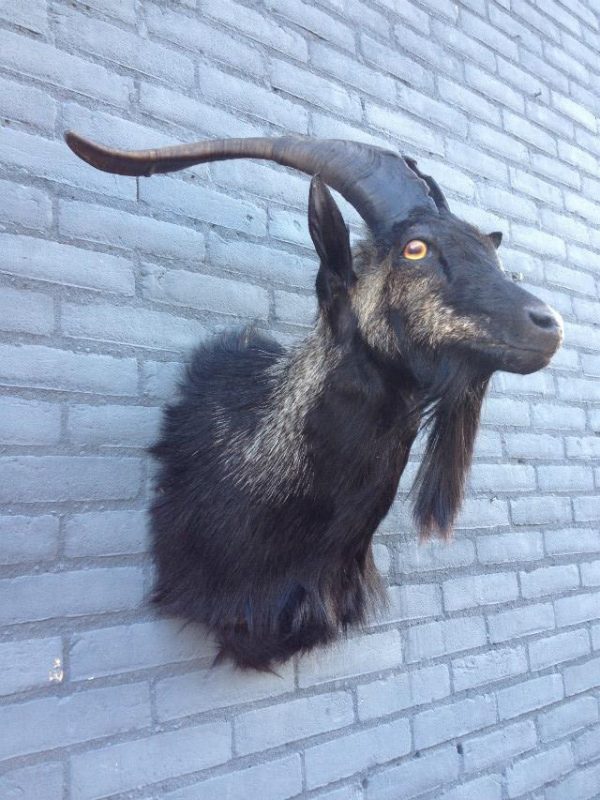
(488, 667)
(105, 533)
(353, 753)
(549, 580)
(252, 99)
(568, 718)
(572, 541)
(353, 791)
(404, 128)
(455, 39)
(120, 9)
(294, 309)
(450, 721)
(477, 162)
(314, 89)
(260, 27)
(438, 113)
(525, 130)
(534, 445)
(120, 767)
(393, 62)
(550, 167)
(537, 770)
(413, 601)
(109, 226)
(42, 781)
(360, 656)
(435, 555)
(204, 39)
(479, 590)
(275, 780)
(28, 664)
(585, 310)
(482, 513)
(70, 594)
(34, 18)
(510, 547)
(29, 207)
(505, 625)
(424, 48)
(52, 722)
(590, 573)
(63, 70)
(262, 262)
(564, 478)
(577, 608)
(345, 69)
(208, 689)
(537, 510)
(587, 746)
(200, 203)
(31, 422)
(448, 636)
(505, 411)
(28, 538)
(586, 508)
(561, 417)
(163, 104)
(529, 695)
(499, 745)
(427, 773)
(501, 478)
(112, 425)
(27, 104)
(123, 48)
(128, 648)
(130, 325)
(489, 787)
(269, 182)
(558, 648)
(160, 378)
(287, 722)
(409, 689)
(322, 25)
(493, 88)
(38, 479)
(26, 311)
(60, 263)
(581, 677)
(582, 784)
(45, 367)
(489, 35)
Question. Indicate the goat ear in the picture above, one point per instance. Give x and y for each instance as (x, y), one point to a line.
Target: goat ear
(496, 237)
(332, 243)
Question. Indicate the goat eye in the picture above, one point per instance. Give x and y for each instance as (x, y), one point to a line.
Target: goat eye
(415, 250)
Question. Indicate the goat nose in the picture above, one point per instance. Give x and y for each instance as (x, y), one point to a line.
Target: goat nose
(544, 318)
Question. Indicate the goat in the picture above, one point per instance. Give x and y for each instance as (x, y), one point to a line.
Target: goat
(276, 468)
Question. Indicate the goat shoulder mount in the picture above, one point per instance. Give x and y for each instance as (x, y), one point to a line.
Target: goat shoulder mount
(277, 467)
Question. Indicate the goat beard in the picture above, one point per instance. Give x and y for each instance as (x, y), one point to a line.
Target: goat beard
(450, 412)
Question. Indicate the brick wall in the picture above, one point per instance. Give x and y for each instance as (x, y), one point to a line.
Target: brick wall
(483, 679)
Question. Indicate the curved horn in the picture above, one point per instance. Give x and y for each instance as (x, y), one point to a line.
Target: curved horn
(380, 184)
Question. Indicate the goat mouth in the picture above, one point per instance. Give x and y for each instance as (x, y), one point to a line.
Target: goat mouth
(511, 357)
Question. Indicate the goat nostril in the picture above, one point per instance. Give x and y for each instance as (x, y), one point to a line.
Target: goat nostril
(543, 319)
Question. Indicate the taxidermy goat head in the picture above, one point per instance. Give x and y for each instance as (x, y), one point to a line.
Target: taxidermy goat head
(276, 468)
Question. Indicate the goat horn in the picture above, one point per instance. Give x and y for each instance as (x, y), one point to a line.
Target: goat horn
(381, 185)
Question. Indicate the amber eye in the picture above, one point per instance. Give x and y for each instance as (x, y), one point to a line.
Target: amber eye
(415, 250)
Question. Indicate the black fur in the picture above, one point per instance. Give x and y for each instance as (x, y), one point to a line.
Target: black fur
(276, 468)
